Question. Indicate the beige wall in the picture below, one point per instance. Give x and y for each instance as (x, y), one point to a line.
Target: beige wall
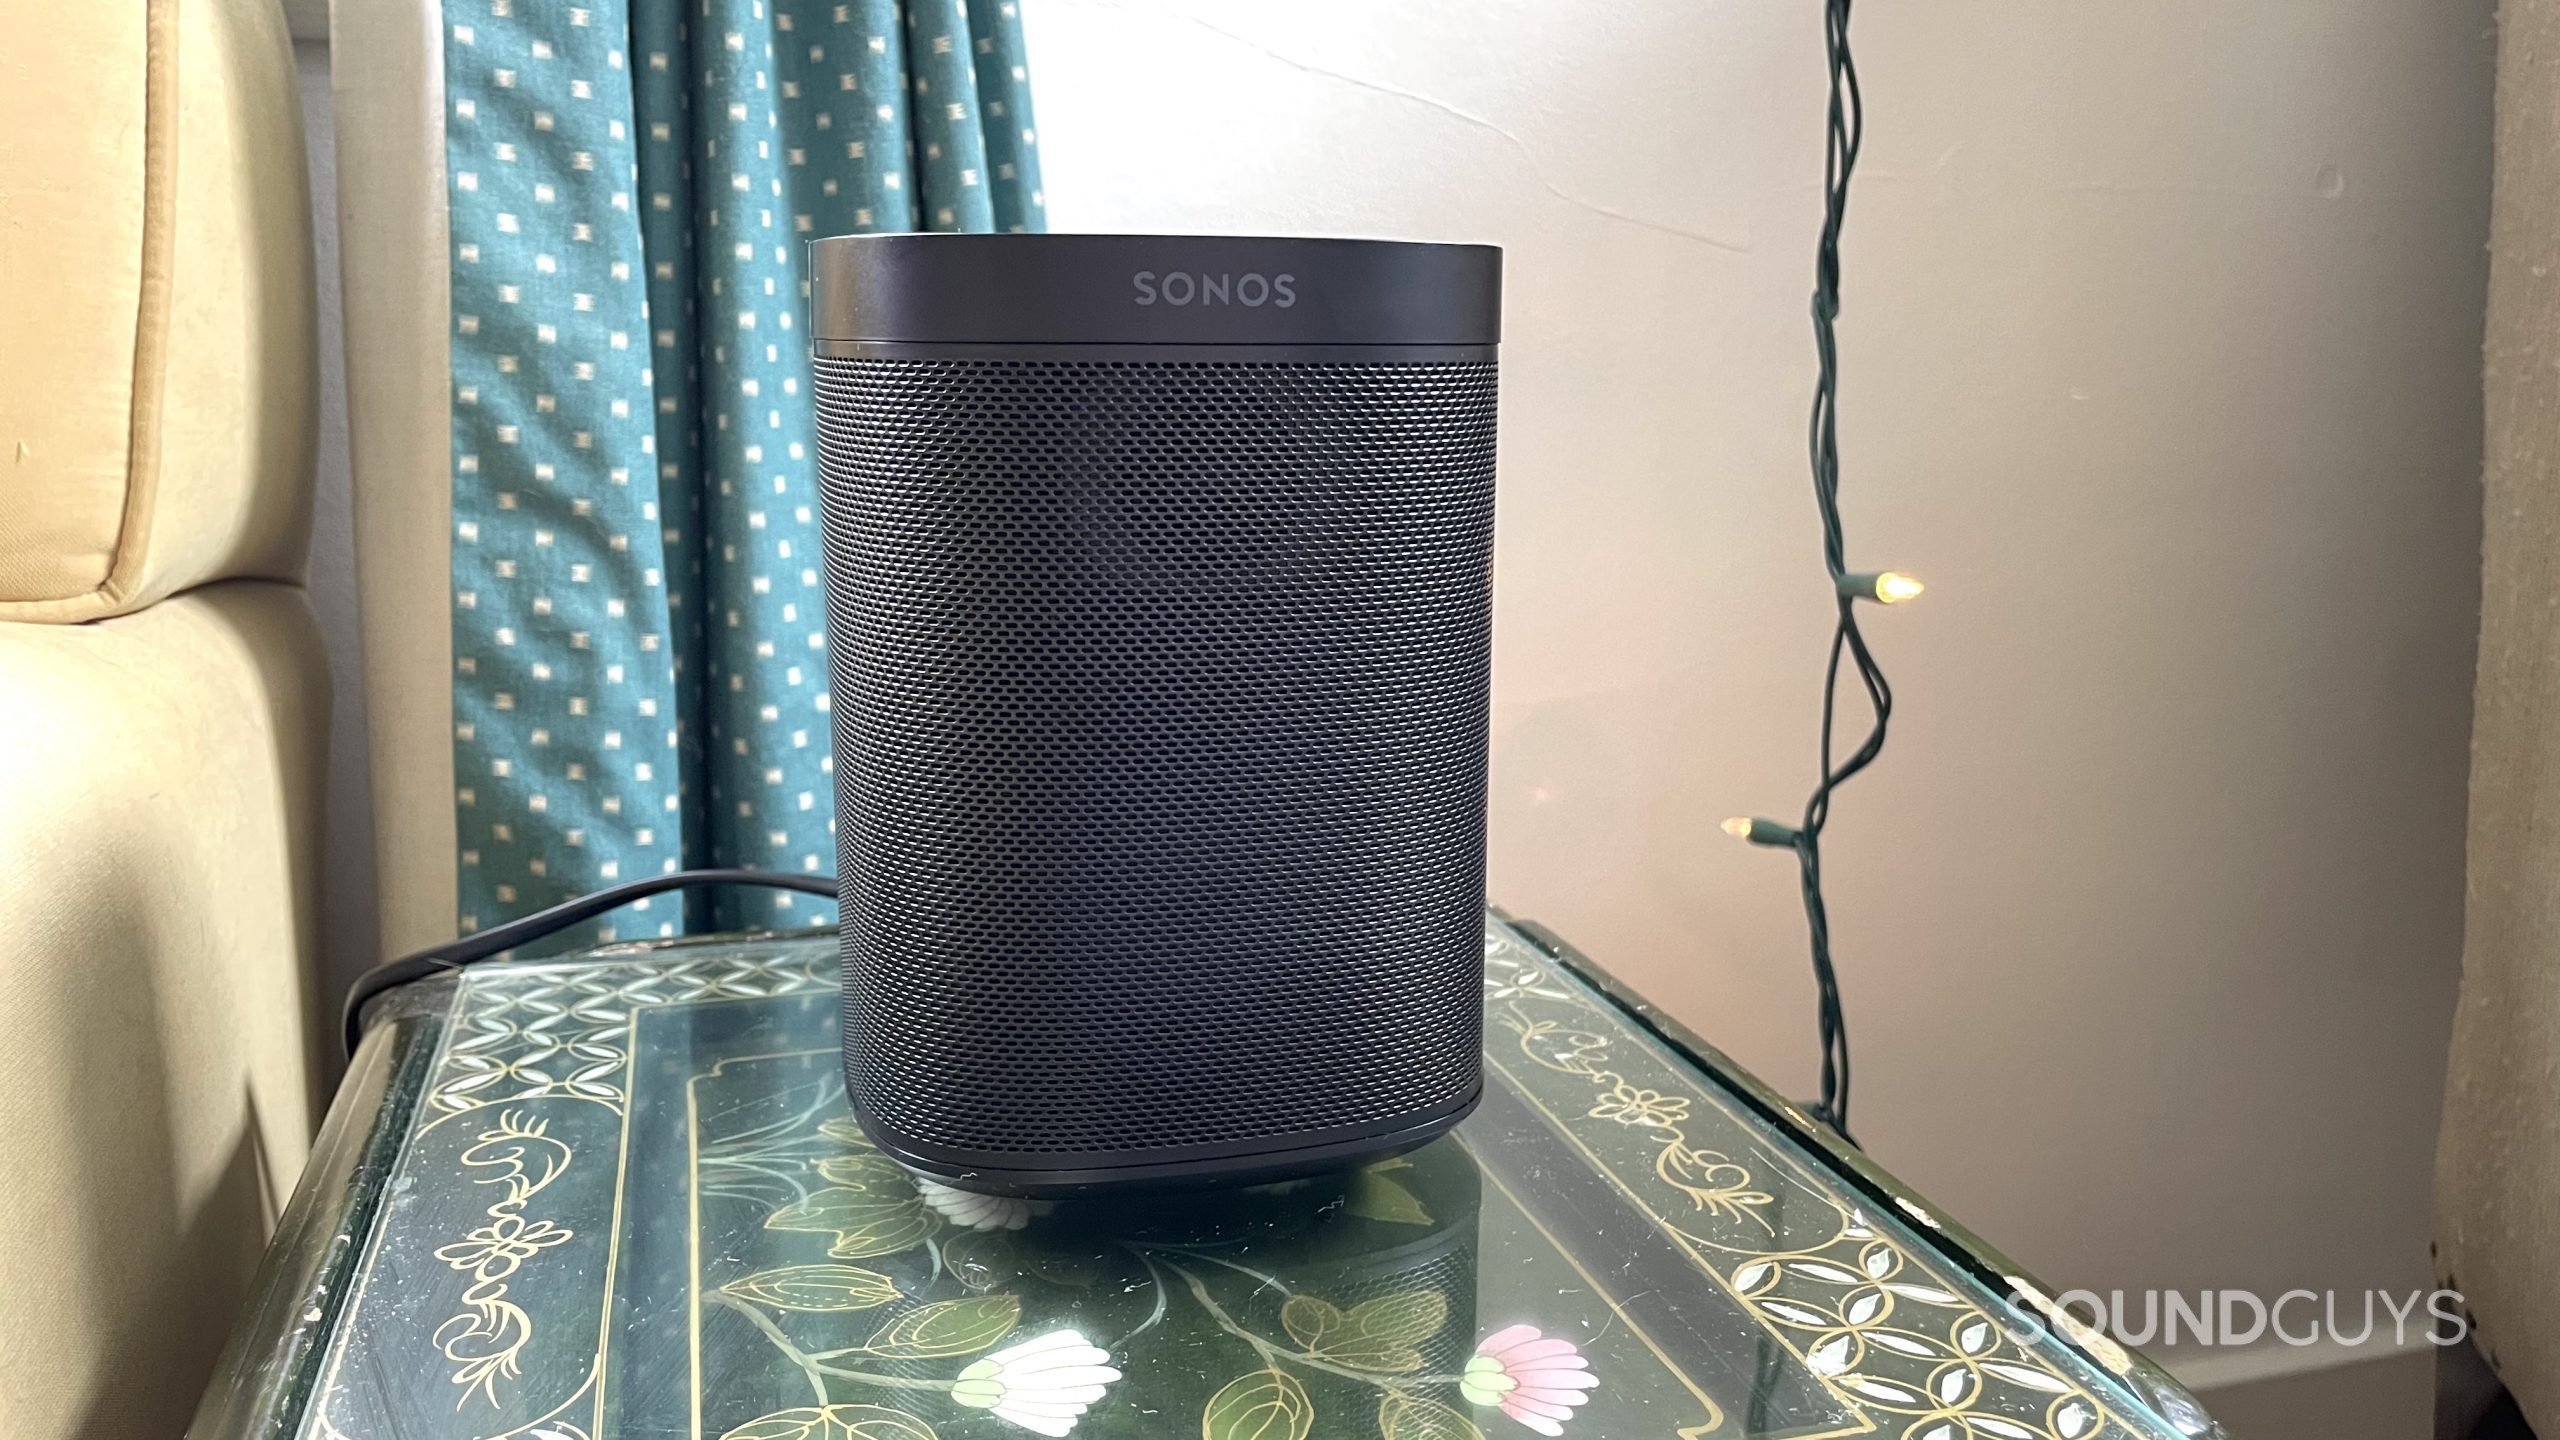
(2161, 342)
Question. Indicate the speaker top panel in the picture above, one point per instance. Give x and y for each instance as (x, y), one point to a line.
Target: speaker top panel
(1152, 290)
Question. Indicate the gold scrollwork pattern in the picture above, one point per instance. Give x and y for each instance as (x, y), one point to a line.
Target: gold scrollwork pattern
(485, 1339)
(523, 1039)
(1863, 1312)
(536, 1071)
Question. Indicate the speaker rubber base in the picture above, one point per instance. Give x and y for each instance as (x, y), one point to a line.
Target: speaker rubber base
(1257, 1167)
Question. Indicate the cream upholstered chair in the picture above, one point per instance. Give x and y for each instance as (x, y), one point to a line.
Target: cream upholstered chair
(163, 696)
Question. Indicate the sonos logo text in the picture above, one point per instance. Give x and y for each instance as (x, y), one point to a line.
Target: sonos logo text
(1252, 289)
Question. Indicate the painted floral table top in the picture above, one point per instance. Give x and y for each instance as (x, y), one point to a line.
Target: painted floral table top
(620, 1196)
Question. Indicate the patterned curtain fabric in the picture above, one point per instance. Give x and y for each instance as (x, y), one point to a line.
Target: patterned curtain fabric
(639, 622)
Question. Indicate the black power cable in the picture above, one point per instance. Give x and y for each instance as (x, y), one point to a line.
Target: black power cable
(498, 939)
(1843, 132)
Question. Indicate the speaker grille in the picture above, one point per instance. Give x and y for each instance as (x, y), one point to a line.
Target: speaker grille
(1160, 706)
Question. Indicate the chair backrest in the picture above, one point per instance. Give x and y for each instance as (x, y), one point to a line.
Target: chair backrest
(159, 384)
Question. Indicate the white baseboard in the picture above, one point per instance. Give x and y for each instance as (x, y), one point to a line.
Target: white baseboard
(2204, 1371)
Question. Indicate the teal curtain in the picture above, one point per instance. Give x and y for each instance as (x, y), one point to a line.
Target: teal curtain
(639, 620)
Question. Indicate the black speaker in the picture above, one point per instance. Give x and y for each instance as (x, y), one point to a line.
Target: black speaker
(1159, 617)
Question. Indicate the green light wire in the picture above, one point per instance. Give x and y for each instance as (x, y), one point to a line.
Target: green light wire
(1840, 158)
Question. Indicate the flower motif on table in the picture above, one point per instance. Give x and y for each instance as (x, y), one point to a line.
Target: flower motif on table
(498, 1247)
(973, 1211)
(1534, 1378)
(1629, 1105)
(1043, 1385)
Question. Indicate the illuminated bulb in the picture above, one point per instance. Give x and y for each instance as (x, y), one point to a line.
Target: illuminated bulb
(1760, 831)
(1892, 587)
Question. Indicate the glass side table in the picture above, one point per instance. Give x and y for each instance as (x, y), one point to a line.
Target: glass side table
(618, 1197)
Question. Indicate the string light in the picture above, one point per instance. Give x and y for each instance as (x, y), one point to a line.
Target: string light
(1889, 587)
(1843, 132)
(1762, 831)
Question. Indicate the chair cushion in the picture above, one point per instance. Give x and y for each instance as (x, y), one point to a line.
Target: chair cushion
(158, 923)
(157, 372)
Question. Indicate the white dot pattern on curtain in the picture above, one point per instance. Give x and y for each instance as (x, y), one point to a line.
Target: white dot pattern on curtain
(639, 620)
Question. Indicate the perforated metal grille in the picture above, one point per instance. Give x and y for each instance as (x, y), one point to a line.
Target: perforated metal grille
(1160, 703)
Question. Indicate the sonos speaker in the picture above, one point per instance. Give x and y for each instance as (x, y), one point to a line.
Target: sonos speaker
(1159, 621)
